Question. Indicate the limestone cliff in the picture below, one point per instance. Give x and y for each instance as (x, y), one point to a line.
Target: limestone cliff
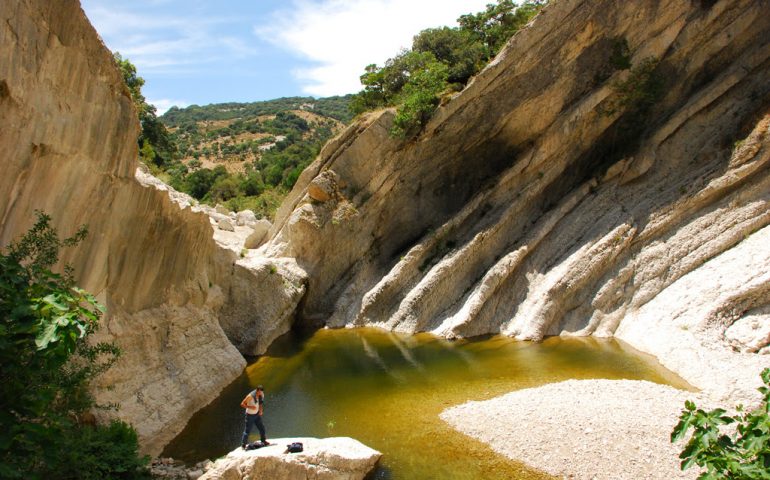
(68, 142)
(547, 199)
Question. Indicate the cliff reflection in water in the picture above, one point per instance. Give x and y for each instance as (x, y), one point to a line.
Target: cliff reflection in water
(387, 391)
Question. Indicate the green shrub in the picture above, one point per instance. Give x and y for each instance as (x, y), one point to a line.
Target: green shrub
(225, 188)
(98, 453)
(441, 59)
(639, 91)
(620, 58)
(419, 98)
(47, 360)
(743, 453)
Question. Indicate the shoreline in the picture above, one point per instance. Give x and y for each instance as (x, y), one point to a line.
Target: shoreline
(583, 429)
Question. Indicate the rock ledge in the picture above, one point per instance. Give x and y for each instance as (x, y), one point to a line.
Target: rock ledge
(338, 458)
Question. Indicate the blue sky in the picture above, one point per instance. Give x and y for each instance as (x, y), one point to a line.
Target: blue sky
(205, 51)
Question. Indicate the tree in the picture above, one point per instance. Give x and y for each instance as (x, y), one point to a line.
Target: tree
(495, 25)
(441, 59)
(463, 54)
(132, 81)
(742, 454)
(154, 133)
(252, 184)
(47, 363)
(224, 188)
(199, 183)
(419, 98)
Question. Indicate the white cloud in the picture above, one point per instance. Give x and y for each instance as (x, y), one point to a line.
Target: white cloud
(167, 42)
(343, 36)
(163, 104)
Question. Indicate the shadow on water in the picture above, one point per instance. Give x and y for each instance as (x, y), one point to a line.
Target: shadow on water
(387, 390)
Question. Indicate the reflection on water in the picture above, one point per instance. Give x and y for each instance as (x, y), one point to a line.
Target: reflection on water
(387, 390)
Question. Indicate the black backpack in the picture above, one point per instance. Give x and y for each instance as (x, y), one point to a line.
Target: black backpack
(295, 447)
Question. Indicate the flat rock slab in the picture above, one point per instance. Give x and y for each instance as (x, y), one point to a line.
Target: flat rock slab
(337, 458)
(583, 429)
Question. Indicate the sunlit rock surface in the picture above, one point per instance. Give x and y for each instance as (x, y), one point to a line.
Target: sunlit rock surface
(337, 458)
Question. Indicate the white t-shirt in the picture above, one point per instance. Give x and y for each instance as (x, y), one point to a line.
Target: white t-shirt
(252, 407)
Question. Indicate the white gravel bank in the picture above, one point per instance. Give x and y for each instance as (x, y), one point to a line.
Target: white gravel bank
(583, 429)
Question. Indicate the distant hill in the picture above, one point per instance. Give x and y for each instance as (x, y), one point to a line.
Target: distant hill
(248, 155)
(332, 107)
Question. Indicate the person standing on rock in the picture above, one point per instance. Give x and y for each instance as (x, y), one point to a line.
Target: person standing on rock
(253, 403)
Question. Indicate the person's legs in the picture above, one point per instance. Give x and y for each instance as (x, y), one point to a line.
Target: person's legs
(261, 428)
(250, 419)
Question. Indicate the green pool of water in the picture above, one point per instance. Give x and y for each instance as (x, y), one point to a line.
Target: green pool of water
(387, 390)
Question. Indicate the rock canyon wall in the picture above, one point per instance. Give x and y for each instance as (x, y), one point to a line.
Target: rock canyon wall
(560, 193)
(69, 148)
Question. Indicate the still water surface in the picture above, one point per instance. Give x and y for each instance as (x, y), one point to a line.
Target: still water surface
(387, 390)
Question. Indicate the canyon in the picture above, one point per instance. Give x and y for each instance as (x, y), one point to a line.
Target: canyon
(559, 193)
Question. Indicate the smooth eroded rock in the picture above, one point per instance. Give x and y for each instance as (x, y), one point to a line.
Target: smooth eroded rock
(245, 217)
(324, 187)
(226, 225)
(221, 209)
(337, 458)
(258, 236)
(751, 333)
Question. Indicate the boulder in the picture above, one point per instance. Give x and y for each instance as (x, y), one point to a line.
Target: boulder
(225, 224)
(338, 458)
(222, 209)
(261, 227)
(324, 187)
(245, 217)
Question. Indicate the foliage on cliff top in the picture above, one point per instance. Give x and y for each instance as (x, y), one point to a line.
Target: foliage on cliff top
(743, 453)
(155, 145)
(46, 365)
(441, 60)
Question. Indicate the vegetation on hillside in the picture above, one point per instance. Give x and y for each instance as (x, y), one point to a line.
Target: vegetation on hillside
(243, 155)
(247, 162)
(332, 107)
(47, 364)
(441, 61)
(743, 453)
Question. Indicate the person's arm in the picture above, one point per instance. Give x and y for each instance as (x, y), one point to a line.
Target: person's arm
(245, 402)
(260, 401)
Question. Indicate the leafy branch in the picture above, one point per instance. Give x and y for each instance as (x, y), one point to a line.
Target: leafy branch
(743, 453)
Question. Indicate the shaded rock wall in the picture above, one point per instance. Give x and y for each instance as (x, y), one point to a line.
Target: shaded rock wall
(532, 205)
(68, 147)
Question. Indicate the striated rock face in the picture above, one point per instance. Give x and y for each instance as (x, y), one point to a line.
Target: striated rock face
(538, 202)
(68, 141)
(338, 458)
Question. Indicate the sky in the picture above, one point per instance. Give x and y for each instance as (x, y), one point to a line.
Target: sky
(205, 51)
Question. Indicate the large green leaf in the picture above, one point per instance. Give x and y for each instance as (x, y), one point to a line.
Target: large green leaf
(47, 336)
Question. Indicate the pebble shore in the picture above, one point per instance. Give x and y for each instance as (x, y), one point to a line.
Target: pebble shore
(584, 429)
